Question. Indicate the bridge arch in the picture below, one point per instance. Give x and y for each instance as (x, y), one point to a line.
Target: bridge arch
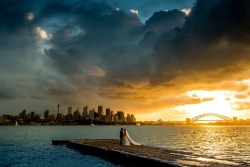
(210, 114)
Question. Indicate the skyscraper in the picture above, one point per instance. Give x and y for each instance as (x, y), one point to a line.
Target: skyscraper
(85, 112)
(32, 115)
(69, 110)
(128, 118)
(133, 118)
(107, 117)
(24, 114)
(100, 112)
(92, 113)
(76, 115)
(46, 114)
(120, 115)
(108, 113)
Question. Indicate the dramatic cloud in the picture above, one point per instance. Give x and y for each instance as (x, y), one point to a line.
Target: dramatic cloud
(92, 52)
(42, 34)
(30, 16)
(207, 42)
(187, 11)
(134, 11)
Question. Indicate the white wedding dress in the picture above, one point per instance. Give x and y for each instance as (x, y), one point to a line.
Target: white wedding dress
(127, 141)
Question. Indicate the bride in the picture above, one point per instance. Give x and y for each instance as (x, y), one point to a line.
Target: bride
(126, 139)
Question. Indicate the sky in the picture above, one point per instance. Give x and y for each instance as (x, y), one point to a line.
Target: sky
(157, 59)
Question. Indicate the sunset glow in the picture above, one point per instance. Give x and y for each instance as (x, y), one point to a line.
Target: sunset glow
(168, 60)
(166, 82)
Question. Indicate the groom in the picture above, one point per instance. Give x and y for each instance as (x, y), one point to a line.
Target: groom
(121, 135)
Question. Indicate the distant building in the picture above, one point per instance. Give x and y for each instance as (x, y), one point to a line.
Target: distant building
(112, 118)
(8, 117)
(52, 117)
(76, 115)
(32, 115)
(108, 113)
(120, 115)
(92, 113)
(132, 118)
(107, 118)
(100, 112)
(38, 117)
(128, 120)
(85, 112)
(46, 114)
(60, 116)
(69, 110)
(235, 119)
(23, 114)
(116, 118)
(188, 121)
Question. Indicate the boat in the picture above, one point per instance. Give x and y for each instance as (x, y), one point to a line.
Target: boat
(92, 124)
(16, 124)
(137, 124)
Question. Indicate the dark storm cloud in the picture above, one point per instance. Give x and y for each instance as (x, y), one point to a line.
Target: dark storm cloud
(214, 36)
(215, 19)
(114, 40)
(147, 7)
(18, 48)
(11, 15)
(94, 45)
(91, 44)
(96, 34)
(162, 20)
(170, 44)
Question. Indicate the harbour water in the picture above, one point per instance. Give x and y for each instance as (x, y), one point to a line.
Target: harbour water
(22, 146)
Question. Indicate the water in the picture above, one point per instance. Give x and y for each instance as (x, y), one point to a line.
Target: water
(31, 145)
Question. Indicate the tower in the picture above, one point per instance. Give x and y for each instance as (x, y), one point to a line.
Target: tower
(58, 114)
(58, 106)
(188, 121)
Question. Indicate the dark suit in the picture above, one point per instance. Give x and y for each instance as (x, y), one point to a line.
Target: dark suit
(121, 135)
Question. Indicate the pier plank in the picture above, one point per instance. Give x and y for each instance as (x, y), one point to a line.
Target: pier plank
(140, 155)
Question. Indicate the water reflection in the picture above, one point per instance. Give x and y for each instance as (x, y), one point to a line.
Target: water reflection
(34, 142)
(222, 142)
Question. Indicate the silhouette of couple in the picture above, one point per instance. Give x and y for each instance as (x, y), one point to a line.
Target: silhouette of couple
(125, 139)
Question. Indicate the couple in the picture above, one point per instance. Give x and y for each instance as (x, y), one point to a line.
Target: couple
(125, 139)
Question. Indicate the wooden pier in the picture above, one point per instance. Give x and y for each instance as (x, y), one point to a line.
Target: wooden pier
(140, 155)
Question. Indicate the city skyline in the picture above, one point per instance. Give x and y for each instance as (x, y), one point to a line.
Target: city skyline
(158, 59)
(91, 113)
(84, 116)
(66, 109)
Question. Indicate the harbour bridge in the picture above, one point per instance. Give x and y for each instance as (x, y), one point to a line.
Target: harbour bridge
(198, 117)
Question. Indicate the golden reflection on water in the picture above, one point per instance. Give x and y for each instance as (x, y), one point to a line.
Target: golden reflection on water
(221, 142)
(214, 140)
